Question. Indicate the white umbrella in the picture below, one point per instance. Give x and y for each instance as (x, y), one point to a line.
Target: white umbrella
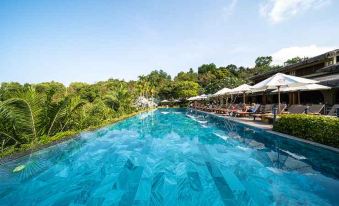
(307, 87)
(242, 89)
(201, 97)
(282, 80)
(192, 98)
(222, 92)
(165, 101)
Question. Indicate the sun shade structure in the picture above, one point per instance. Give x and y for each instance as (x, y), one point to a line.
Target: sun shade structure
(307, 87)
(242, 89)
(280, 80)
(191, 98)
(201, 97)
(222, 92)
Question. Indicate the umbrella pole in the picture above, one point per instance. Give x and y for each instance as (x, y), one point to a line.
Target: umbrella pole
(298, 97)
(244, 98)
(278, 98)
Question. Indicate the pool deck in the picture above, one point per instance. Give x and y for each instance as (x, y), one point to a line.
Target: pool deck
(245, 120)
(250, 122)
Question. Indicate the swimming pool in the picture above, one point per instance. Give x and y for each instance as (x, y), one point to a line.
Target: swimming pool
(174, 157)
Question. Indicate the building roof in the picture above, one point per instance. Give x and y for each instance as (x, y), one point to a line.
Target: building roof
(329, 80)
(303, 63)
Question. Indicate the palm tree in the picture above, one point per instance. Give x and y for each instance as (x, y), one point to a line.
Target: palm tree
(19, 119)
(27, 116)
(62, 114)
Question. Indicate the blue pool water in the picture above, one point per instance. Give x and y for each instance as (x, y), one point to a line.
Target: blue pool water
(174, 157)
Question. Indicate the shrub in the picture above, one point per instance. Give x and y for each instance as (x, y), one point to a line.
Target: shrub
(321, 129)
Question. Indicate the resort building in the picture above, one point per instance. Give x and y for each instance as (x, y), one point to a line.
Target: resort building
(323, 68)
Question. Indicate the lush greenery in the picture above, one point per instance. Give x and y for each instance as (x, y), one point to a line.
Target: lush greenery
(324, 130)
(33, 114)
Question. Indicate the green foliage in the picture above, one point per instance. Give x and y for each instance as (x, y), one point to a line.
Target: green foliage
(187, 76)
(262, 64)
(184, 89)
(321, 129)
(205, 68)
(294, 60)
(229, 82)
(30, 114)
(263, 61)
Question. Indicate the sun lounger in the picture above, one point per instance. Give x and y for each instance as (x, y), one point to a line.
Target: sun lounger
(333, 111)
(316, 109)
(268, 114)
(296, 109)
(225, 111)
(246, 113)
(264, 109)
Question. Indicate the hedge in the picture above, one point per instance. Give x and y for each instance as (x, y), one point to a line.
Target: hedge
(321, 129)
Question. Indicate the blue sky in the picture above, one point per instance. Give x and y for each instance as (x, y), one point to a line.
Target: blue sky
(93, 40)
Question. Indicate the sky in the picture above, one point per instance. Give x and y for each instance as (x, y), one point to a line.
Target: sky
(94, 40)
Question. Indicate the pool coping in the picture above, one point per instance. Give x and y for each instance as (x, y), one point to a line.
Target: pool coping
(274, 132)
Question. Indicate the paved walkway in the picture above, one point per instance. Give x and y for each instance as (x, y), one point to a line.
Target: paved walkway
(246, 120)
(256, 123)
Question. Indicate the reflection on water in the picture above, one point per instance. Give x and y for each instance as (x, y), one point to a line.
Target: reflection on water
(170, 157)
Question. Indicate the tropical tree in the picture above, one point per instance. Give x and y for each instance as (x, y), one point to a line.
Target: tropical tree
(185, 89)
(20, 117)
(293, 60)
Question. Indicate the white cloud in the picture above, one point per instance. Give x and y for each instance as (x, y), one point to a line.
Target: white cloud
(280, 56)
(279, 10)
(229, 9)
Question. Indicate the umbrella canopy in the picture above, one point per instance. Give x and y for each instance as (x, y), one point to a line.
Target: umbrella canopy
(222, 92)
(282, 80)
(201, 97)
(192, 98)
(307, 87)
(164, 101)
(241, 89)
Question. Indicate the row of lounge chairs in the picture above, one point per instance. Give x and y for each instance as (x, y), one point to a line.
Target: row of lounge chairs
(266, 111)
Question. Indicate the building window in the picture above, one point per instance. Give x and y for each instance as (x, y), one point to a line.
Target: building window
(337, 60)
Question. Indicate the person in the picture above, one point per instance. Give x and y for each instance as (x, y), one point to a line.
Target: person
(251, 108)
(244, 108)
